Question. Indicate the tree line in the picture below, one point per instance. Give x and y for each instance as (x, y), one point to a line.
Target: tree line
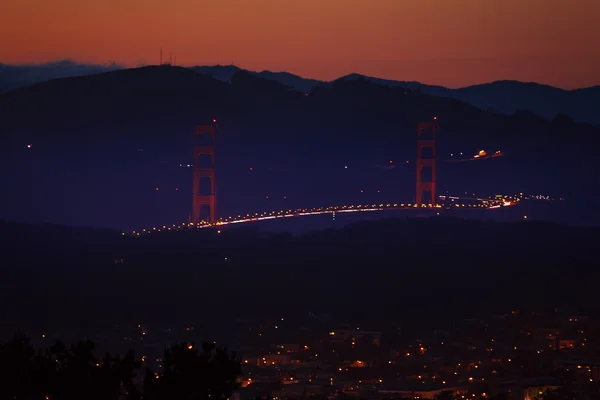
(74, 372)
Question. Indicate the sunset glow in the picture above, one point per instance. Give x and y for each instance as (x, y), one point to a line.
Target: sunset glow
(452, 43)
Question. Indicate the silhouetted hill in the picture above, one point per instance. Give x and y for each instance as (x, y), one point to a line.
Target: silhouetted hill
(16, 76)
(226, 72)
(390, 266)
(223, 73)
(502, 96)
(161, 96)
(507, 97)
(253, 84)
(297, 82)
(547, 101)
(393, 83)
(128, 132)
(102, 100)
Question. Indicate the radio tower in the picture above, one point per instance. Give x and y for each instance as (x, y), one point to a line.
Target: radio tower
(426, 132)
(202, 134)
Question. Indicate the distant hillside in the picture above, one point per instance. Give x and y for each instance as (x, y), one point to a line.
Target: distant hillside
(225, 73)
(508, 97)
(103, 143)
(151, 101)
(547, 101)
(392, 83)
(156, 95)
(16, 76)
(505, 97)
(295, 81)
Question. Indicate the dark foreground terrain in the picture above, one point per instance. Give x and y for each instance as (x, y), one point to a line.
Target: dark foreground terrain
(431, 269)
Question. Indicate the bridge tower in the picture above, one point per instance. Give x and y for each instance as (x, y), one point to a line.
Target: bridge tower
(204, 169)
(426, 133)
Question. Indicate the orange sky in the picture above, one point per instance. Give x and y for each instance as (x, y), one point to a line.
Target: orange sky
(447, 42)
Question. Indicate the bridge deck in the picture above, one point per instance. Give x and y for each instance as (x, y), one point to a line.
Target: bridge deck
(269, 215)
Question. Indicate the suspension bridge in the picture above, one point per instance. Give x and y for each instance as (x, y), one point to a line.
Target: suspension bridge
(204, 210)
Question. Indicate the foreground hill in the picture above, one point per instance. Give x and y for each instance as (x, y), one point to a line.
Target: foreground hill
(428, 267)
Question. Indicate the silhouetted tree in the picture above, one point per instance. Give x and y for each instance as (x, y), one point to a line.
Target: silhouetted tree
(445, 395)
(560, 393)
(63, 373)
(79, 374)
(115, 376)
(22, 374)
(189, 373)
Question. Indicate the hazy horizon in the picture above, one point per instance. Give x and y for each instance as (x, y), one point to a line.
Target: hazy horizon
(453, 45)
(68, 66)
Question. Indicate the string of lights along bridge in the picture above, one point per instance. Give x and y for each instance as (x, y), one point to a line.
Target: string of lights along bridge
(488, 204)
(425, 198)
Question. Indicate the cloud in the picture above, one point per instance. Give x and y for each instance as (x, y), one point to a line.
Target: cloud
(15, 76)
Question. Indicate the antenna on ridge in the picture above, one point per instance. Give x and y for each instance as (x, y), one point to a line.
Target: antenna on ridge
(160, 56)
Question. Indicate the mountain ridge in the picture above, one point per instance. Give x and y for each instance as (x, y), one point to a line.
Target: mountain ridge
(100, 142)
(503, 96)
(245, 91)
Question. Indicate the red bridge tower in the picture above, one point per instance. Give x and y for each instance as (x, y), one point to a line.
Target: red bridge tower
(204, 152)
(426, 132)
